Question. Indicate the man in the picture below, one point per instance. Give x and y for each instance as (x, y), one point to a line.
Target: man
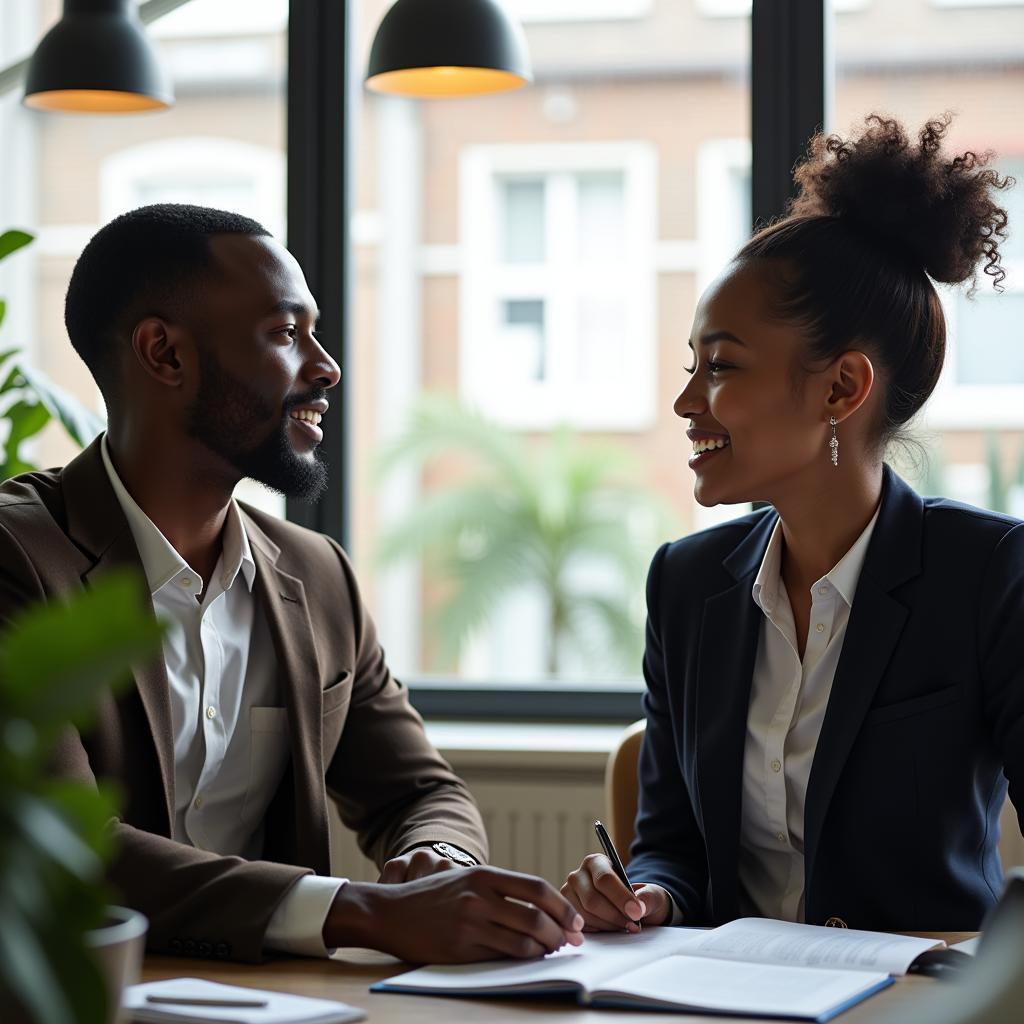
(272, 690)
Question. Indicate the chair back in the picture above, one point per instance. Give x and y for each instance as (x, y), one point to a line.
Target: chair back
(621, 788)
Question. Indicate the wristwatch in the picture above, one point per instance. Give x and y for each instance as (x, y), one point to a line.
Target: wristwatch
(454, 854)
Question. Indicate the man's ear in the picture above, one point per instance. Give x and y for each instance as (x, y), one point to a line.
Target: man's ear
(157, 348)
(853, 377)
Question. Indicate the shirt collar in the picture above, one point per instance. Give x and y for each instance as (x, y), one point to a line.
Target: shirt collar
(844, 576)
(161, 562)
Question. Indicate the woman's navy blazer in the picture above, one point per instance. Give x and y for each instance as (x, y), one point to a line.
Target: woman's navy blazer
(924, 725)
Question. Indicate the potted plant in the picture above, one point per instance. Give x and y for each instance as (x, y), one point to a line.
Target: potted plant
(55, 660)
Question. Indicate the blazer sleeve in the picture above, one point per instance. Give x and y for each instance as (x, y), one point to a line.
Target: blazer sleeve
(669, 846)
(392, 787)
(198, 903)
(1001, 657)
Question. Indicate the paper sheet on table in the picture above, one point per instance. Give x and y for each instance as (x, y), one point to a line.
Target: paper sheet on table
(281, 1008)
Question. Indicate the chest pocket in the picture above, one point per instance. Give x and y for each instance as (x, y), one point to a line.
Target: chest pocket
(268, 754)
(337, 696)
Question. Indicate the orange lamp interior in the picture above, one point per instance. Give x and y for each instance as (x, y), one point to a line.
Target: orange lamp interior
(439, 82)
(94, 101)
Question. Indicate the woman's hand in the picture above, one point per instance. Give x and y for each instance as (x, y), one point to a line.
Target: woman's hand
(607, 905)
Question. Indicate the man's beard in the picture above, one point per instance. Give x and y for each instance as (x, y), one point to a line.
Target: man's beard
(229, 417)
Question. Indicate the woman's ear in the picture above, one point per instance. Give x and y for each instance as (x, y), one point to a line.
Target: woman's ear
(156, 350)
(853, 377)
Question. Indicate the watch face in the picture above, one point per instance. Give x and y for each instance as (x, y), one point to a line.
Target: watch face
(454, 854)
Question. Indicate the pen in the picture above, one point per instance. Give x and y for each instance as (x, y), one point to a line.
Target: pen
(204, 1001)
(610, 852)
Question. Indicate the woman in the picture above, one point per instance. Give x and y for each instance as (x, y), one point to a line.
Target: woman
(835, 685)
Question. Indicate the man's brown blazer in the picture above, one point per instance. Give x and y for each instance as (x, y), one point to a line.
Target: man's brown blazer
(351, 728)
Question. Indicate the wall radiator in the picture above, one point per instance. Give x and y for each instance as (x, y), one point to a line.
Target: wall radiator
(539, 808)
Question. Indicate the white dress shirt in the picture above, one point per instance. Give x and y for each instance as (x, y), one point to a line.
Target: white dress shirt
(230, 729)
(788, 698)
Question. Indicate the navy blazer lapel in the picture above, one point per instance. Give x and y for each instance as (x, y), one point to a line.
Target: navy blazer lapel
(728, 646)
(97, 525)
(875, 625)
(283, 598)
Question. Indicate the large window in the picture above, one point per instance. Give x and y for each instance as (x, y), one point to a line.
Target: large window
(526, 272)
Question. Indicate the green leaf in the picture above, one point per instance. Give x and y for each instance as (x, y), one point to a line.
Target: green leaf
(28, 972)
(26, 418)
(12, 241)
(81, 423)
(90, 810)
(101, 633)
(53, 838)
(3, 310)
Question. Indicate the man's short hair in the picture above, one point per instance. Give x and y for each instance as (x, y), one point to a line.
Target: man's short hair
(147, 262)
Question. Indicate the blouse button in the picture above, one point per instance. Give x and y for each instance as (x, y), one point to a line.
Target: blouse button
(820, 627)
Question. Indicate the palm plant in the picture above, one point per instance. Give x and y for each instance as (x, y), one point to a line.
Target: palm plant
(564, 515)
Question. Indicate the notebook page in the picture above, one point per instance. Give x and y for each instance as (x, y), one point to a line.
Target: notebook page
(761, 990)
(755, 939)
(603, 955)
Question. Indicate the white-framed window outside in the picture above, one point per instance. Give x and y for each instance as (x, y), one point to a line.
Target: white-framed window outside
(558, 286)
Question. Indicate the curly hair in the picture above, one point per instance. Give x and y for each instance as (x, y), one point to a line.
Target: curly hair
(875, 222)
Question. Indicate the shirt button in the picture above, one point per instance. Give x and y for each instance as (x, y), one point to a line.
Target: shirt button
(820, 628)
(197, 803)
(776, 765)
(184, 581)
(211, 712)
(781, 836)
(822, 590)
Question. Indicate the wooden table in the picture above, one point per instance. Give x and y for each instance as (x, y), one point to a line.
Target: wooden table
(349, 974)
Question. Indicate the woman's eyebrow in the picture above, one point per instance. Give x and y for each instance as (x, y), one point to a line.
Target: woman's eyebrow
(713, 336)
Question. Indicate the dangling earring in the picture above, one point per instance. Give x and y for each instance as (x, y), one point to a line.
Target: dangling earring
(834, 443)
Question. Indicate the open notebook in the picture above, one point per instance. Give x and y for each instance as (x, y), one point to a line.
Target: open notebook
(752, 967)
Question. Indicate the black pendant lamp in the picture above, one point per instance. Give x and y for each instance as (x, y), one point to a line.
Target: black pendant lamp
(437, 48)
(97, 59)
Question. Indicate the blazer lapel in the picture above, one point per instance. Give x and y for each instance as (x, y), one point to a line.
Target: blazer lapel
(284, 600)
(876, 623)
(97, 525)
(728, 646)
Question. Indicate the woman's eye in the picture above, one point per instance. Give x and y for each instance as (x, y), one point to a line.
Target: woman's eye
(714, 366)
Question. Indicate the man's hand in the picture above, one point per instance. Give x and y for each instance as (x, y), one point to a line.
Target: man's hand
(607, 905)
(480, 913)
(414, 864)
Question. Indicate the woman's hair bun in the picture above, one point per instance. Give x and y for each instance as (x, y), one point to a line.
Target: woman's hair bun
(934, 210)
